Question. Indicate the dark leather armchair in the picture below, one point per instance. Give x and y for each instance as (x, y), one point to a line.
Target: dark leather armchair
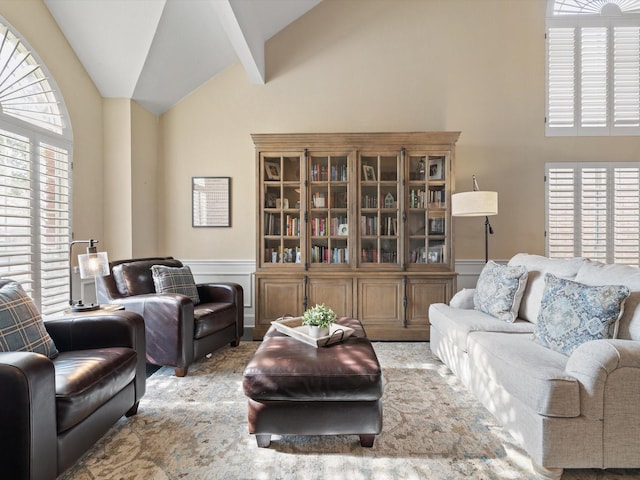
(53, 410)
(178, 333)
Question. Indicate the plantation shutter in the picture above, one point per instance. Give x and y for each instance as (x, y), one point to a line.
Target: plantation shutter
(593, 211)
(55, 227)
(593, 76)
(16, 257)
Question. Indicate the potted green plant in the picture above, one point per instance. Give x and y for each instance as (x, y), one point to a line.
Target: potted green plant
(318, 319)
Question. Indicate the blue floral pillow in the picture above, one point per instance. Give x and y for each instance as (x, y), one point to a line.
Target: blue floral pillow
(499, 290)
(572, 313)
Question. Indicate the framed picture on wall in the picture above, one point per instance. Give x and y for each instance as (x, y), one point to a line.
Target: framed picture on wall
(436, 168)
(211, 201)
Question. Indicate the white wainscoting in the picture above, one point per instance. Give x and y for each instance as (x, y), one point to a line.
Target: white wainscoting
(241, 272)
(236, 271)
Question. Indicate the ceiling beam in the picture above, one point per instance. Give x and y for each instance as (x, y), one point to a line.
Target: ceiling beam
(242, 29)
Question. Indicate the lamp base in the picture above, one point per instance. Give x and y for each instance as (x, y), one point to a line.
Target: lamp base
(81, 307)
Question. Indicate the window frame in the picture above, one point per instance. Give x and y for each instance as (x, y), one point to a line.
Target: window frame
(38, 137)
(577, 22)
(613, 245)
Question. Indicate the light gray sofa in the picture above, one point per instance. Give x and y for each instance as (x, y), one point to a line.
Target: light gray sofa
(576, 411)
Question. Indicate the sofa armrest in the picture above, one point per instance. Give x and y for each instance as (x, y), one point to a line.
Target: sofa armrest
(100, 330)
(594, 364)
(27, 416)
(228, 293)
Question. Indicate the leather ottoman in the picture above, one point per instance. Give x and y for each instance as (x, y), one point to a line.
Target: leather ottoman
(297, 389)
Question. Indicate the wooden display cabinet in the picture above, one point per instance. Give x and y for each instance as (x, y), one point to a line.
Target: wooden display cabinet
(360, 222)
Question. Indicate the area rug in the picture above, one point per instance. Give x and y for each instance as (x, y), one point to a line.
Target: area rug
(195, 428)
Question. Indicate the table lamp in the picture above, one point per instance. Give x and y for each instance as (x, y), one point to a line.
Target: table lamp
(92, 264)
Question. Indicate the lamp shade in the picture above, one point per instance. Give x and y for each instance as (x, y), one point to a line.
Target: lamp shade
(474, 204)
(93, 265)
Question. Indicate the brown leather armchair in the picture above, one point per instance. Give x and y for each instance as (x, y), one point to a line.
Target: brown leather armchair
(178, 333)
(53, 410)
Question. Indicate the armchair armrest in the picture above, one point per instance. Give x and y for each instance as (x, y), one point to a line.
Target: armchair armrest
(168, 320)
(594, 364)
(27, 416)
(225, 292)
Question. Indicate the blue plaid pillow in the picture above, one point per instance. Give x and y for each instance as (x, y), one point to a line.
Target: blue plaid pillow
(175, 280)
(572, 313)
(21, 325)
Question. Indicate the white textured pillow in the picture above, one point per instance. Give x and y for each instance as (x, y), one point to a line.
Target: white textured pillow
(499, 290)
(537, 266)
(463, 299)
(175, 280)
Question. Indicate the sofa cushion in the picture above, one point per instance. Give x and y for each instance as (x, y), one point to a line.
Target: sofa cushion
(457, 323)
(533, 374)
(596, 273)
(21, 325)
(87, 379)
(213, 317)
(175, 280)
(572, 313)
(499, 290)
(537, 266)
(135, 278)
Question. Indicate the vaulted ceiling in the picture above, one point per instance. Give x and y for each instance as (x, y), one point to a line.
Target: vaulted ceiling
(158, 51)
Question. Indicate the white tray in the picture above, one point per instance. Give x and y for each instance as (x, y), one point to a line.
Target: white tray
(292, 326)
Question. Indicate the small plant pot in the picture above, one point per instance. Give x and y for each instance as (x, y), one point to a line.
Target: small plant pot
(317, 332)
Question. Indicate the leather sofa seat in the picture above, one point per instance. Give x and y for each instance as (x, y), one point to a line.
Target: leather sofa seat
(87, 379)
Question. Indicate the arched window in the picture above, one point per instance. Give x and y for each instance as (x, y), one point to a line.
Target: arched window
(35, 175)
(593, 67)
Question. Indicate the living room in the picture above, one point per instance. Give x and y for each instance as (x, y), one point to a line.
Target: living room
(477, 67)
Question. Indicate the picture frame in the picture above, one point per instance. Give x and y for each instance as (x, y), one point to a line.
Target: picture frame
(211, 201)
(436, 168)
(270, 201)
(368, 173)
(272, 170)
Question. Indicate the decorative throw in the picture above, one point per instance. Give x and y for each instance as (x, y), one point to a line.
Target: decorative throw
(499, 290)
(175, 280)
(21, 325)
(572, 313)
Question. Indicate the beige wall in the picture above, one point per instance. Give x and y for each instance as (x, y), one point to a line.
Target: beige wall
(84, 104)
(379, 65)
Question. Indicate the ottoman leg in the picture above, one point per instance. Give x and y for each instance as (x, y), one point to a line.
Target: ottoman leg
(264, 440)
(367, 440)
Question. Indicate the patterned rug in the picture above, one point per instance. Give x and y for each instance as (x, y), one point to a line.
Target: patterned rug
(195, 428)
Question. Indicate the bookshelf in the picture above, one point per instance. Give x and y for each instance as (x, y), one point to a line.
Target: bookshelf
(360, 222)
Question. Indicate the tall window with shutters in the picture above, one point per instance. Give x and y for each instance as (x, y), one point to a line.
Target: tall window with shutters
(35, 176)
(593, 67)
(593, 211)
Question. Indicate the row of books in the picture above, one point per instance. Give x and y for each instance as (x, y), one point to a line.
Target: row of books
(320, 227)
(322, 254)
(371, 255)
(272, 225)
(336, 173)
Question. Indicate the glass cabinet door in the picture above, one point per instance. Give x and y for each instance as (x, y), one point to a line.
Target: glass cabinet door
(328, 209)
(379, 207)
(427, 210)
(281, 227)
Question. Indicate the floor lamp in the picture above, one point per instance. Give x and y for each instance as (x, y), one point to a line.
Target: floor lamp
(476, 204)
